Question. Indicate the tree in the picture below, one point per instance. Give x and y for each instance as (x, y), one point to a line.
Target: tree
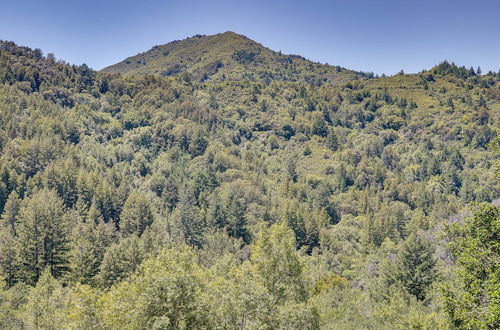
(8, 262)
(120, 261)
(198, 143)
(11, 211)
(319, 126)
(45, 304)
(216, 213)
(235, 217)
(472, 296)
(42, 236)
(278, 264)
(414, 267)
(188, 220)
(165, 294)
(84, 260)
(136, 214)
(331, 141)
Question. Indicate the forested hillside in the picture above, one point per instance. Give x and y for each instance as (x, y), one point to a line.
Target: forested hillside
(265, 191)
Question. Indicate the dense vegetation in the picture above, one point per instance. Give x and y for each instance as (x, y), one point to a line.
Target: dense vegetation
(256, 196)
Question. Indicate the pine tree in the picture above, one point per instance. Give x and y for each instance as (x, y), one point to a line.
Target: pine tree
(331, 141)
(136, 214)
(42, 236)
(188, 219)
(293, 217)
(8, 263)
(414, 267)
(45, 303)
(278, 264)
(83, 257)
(11, 211)
(216, 215)
(319, 126)
(120, 261)
(198, 143)
(235, 218)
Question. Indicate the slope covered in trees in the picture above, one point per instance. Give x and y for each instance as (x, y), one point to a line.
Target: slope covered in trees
(245, 201)
(229, 56)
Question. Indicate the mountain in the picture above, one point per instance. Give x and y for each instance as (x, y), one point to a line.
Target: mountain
(228, 56)
(131, 199)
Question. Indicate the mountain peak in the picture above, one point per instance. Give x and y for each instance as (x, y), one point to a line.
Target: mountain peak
(227, 55)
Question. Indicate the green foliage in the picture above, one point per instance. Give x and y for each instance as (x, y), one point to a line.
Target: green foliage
(214, 183)
(414, 268)
(42, 236)
(472, 298)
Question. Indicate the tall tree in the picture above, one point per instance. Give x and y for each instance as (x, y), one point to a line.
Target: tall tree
(278, 264)
(472, 297)
(42, 236)
(414, 268)
(136, 214)
(11, 211)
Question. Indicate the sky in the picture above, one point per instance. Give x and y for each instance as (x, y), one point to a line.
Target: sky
(366, 35)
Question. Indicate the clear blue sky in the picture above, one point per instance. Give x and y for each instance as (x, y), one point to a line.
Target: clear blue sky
(369, 35)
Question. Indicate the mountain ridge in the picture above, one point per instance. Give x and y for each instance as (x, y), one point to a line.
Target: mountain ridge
(229, 56)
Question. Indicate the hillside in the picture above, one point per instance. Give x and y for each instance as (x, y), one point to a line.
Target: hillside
(228, 56)
(131, 198)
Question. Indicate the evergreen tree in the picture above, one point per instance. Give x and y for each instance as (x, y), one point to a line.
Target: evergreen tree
(319, 126)
(42, 236)
(198, 143)
(216, 213)
(84, 260)
(331, 141)
(136, 214)
(8, 263)
(414, 268)
(120, 261)
(235, 217)
(11, 212)
(188, 220)
(44, 309)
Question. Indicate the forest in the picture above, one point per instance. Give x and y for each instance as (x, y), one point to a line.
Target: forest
(212, 183)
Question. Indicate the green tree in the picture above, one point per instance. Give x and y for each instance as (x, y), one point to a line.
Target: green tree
(42, 236)
(44, 309)
(472, 297)
(414, 268)
(84, 258)
(136, 214)
(120, 261)
(188, 220)
(198, 143)
(331, 141)
(279, 266)
(8, 262)
(11, 211)
(236, 218)
(165, 294)
(319, 126)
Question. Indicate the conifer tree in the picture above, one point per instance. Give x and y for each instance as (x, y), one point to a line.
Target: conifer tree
(136, 214)
(188, 220)
(42, 236)
(235, 217)
(414, 268)
(11, 211)
(8, 263)
(83, 257)
(331, 141)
